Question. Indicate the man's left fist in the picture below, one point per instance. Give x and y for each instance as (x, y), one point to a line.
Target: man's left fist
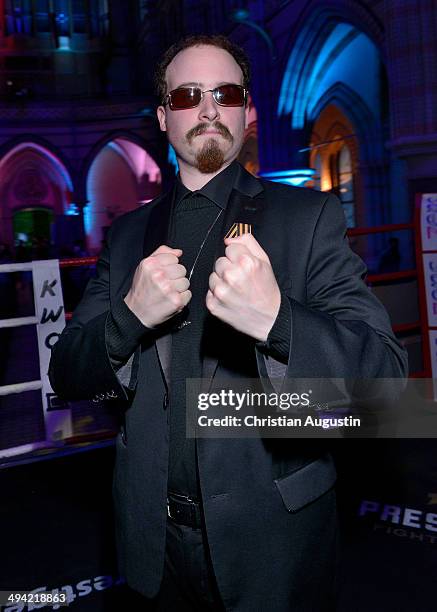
(243, 291)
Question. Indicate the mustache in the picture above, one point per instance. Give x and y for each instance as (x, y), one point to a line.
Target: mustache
(204, 127)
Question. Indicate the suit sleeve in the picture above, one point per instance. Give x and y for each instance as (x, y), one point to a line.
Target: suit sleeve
(342, 330)
(277, 344)
(81, 366)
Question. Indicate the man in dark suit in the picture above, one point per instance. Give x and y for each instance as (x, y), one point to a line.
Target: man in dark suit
(221, 524)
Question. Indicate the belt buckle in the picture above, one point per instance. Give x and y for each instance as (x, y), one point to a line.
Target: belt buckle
(186, 499)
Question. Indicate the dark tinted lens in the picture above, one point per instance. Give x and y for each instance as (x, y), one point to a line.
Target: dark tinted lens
(229, 95)
(185, 97)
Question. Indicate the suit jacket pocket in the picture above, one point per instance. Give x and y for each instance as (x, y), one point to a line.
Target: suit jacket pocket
(307, 483)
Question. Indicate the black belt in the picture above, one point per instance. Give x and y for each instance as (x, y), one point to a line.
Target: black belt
(184, 510)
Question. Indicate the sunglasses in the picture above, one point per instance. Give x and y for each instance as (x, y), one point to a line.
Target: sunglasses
(189, 97)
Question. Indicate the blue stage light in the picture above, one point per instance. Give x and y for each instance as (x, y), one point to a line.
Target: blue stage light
(296, 177)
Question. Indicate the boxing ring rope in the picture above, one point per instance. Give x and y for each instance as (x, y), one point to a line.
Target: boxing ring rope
(49, 307)
(389, 277)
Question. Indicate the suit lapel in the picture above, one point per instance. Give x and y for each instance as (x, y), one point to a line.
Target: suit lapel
(158, 226)
(246, 205)
(158, 233)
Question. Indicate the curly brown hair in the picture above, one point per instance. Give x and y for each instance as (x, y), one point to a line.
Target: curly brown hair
(216, 40)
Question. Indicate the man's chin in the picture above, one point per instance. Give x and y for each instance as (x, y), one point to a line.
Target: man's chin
(210, 158)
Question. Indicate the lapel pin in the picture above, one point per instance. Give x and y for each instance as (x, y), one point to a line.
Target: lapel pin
(238, 229)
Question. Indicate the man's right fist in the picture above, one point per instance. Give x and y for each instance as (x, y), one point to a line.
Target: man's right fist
(159, 287)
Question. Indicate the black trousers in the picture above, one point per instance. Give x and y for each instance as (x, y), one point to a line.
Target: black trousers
(188, 584)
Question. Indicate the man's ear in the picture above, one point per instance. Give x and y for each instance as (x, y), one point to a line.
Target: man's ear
(160, 113)
(246, 116)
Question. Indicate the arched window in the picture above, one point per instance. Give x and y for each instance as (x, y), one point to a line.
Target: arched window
(345, 184)
(35, 190)
(334, 156)
(42, 18)
(62, 12)
(18, 17)
(317, 178)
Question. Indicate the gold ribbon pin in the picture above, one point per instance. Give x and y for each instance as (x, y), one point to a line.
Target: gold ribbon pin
(238, 229)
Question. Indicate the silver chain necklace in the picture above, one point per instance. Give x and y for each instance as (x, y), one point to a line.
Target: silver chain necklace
(190, 274)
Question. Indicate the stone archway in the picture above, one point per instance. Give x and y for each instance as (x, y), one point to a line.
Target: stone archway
(332, 135)
(333, 97)
(121, 177)
(34, 180)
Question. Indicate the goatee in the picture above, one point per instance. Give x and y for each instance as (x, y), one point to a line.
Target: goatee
(210, 158)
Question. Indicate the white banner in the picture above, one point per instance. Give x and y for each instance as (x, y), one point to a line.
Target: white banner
(430, 278)
(428, 221)
(428, 233)
(49, 309)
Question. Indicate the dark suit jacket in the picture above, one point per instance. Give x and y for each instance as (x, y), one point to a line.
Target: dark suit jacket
(269, 505)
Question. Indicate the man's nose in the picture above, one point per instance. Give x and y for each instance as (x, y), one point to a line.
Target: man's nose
(208, 108)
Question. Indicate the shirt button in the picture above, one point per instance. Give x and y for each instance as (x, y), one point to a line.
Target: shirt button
(165, 400)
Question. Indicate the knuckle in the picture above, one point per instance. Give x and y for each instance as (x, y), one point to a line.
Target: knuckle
(176, 299)
(147, 264)
(157, 275)
(165, 286)
(228, 276)
(220, 292)
(246, 261)
(211, 304)
(180, 284)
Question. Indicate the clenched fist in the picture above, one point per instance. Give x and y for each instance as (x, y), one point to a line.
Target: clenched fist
(159, 287)
(243, 291)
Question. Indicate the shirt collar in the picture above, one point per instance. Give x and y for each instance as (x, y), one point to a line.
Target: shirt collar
(218, 189)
